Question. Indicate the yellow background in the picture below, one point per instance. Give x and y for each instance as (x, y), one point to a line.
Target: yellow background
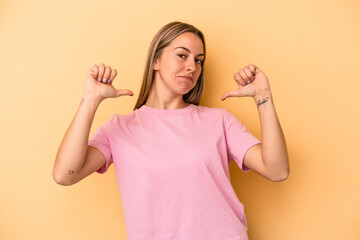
(309, 50)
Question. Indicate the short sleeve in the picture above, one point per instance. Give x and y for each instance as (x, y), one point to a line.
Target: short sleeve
(101, 141)
(238, 139)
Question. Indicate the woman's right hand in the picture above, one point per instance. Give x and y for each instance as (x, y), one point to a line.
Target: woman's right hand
(98, 83)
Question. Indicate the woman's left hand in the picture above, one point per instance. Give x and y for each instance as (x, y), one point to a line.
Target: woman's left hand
(251, 82)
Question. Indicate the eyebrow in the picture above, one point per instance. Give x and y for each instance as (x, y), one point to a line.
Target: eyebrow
(201, 54)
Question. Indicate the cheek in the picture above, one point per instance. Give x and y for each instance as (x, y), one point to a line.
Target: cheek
(172, 67)
(197, 80)
(199, 73)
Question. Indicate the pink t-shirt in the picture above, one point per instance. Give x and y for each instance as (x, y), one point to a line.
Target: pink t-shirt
(172, 171)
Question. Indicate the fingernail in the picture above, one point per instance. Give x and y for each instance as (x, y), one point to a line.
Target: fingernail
(109, 81)
(248, 81)
(243, 83)
(99, 79)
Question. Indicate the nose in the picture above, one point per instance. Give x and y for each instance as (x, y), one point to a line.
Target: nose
(191, 65)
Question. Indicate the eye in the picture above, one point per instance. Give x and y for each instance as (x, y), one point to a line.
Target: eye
(199, 61)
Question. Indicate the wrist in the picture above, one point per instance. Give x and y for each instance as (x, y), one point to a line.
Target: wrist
(262, 97)
(91, 99)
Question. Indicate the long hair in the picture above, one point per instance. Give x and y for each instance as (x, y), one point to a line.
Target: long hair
(161, 40)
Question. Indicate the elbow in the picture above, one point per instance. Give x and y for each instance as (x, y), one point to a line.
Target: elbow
(281, 177)
(60, 180)
(282, 172)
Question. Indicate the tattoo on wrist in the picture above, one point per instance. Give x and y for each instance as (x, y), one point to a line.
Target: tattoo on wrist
(71, 172)
(262, 102)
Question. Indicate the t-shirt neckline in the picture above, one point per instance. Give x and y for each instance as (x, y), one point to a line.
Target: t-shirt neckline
(166, 112)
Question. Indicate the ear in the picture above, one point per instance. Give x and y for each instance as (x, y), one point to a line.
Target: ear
(156, 64)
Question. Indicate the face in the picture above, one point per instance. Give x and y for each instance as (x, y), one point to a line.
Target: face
(179, 65)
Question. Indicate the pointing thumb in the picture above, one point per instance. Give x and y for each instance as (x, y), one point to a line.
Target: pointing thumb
(122, 92)
(228, 94)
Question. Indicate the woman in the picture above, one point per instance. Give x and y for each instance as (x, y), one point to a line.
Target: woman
(171, 155)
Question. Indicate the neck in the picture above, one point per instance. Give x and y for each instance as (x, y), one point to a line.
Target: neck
(156, 101)
(174, 104)
(160, 97)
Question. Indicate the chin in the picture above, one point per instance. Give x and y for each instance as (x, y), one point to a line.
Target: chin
(183, 88)
(183, 92)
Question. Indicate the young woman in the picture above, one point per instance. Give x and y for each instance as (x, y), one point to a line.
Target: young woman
(170, 154)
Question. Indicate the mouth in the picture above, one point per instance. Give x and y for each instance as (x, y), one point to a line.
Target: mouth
(187, 78)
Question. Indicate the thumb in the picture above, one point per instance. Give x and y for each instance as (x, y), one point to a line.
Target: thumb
(229, 94)
(122, 92)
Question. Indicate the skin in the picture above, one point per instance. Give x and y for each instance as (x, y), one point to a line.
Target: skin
(75, 159)
(182, 57)
(270, 158)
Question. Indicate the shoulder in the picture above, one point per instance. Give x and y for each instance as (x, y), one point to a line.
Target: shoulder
(222, 114)
(213, 114)
(212, 110)
(116, 119)
(216, 112)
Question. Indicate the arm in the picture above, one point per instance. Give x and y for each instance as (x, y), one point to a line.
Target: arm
(71, 155)
(270, 158)
(75, 159)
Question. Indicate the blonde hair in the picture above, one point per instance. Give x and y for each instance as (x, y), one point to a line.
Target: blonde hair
(162, 39)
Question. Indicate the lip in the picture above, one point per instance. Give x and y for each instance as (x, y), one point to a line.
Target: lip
(187, 78)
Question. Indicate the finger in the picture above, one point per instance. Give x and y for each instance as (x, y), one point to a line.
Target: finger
(249, 74)
(237, 78)
(112, 75)
(106, 74)
(245, 77)
(101, 72)
(94, 70)
(240, 80)
(252, 68)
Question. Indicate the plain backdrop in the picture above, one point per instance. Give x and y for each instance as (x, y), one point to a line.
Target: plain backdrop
(308, 49)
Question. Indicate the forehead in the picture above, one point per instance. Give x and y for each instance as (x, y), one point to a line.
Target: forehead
(188, 40)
